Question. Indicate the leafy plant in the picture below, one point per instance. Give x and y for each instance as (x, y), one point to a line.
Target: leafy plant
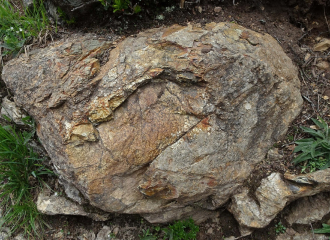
(279, 228)
(182, 230)
(106, 3)
(120, 5)
(21, 171)
(146, 235)
(325, 229)
(16, 29)
(316, 150)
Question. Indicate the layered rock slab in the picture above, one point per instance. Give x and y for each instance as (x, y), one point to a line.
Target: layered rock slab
(172, 123)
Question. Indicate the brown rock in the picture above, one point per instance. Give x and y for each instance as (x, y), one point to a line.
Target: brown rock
(274, 194)
(173, 123)
(315, 208)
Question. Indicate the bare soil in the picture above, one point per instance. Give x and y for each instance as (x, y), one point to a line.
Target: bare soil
(296, 29)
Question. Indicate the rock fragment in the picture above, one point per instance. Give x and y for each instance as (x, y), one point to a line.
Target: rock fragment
(273, 194)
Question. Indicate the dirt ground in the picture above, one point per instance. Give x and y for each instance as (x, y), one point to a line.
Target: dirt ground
(297, 30)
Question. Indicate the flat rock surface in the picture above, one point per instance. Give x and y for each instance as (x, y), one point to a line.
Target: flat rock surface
(314, 209)
(174, 121)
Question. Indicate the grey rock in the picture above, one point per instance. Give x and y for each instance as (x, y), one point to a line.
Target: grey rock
(274, 193)
(104, 233)
(309, 209)
(71, 191)
(55, 205)
(9, 109)
(85, 234)
(172, 124)
(5, 233)
(28, 3)
(273, 154)
(292, 235)
(19, 237)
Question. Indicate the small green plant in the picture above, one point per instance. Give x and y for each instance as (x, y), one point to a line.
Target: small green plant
(21, 171)
(181, 230)
(279, 228)
(106, 3)
(16, 29)
(120, 5)
(325, 229)
(146, 235)
(315, 151)
(65, 17)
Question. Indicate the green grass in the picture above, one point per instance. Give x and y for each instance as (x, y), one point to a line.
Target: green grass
(21, 172)
(16, 29)
(325, 229)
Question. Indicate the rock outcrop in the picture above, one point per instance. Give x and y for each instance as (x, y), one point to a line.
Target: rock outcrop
(171, 124)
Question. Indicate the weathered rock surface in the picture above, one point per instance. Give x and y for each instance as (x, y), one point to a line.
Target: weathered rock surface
(314, 209)
(175, 120)
(55, 205)
(290, 234)
(274, 193)
(10, 110)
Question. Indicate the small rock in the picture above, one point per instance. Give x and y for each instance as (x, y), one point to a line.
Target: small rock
(217, 9)
(116, 230)
(210, 231)
(307, 56)
(300, 236)
(323, 65)
(274, 194)
(274, 155)
(54, 205)
(230, 238)
(19, 237)
(4, 233)
(10, 110)
(104, 233)
(315, 207)
(322, 46)
(59, 235)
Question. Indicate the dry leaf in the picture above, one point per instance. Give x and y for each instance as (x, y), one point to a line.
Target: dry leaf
(325, 97)
(314, 127)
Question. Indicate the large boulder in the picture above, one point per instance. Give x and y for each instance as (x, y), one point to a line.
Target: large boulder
(171, 124)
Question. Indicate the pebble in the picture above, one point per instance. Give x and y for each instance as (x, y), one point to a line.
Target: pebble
(217, 9)
(116, 230)
(210, 231)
